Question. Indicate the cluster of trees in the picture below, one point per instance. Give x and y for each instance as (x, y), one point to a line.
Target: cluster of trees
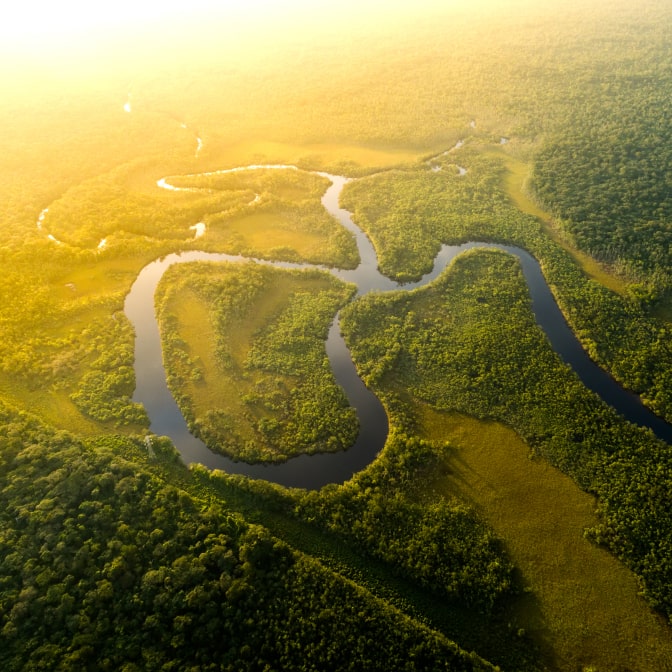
(408, 213)
(104, 206)
(441, 545)
(281, 185)
(105, 389)
(256, 383)
(104, 565)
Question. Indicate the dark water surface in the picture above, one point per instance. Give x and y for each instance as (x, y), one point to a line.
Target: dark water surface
(315, 471)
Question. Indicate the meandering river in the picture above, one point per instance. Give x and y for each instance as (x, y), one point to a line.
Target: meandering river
(315, 471)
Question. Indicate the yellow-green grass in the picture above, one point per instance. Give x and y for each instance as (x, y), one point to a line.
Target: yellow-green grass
(101, 278)
(195, 326)
(52, 404)
(216, 389)
(583, 607)
(265, 232)
(219, 389)
(324, 156)
(90, 294)
(517, 172)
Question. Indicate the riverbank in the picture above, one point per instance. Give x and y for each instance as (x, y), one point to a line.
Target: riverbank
(167, 419)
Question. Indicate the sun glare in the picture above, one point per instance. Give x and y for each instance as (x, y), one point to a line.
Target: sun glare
(43, 23)
(35, 23)
(80, 38)
(43, 19)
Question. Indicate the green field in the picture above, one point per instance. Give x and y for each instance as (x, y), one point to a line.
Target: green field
(582, 606)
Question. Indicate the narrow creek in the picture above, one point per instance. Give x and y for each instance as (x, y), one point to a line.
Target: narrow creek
(315, 471)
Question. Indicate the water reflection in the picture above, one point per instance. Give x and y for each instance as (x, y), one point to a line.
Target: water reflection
(315, 471)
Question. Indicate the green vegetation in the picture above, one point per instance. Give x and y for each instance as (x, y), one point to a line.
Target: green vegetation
(440, 545)
(516, 183)
(273, 213)
(542, 516)
(608, 182)
(105, 389)
(409, 213)
(244, 351)
(451, 347)
(107, 566)
(113, 558)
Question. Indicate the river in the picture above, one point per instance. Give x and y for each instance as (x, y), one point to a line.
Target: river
(315, 471)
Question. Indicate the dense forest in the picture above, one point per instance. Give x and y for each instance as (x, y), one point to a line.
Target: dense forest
(513, 520)
(106, 566)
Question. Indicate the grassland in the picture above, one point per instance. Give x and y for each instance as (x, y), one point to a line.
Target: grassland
(586, 609)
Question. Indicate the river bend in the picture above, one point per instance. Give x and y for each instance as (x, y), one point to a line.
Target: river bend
(315, 471)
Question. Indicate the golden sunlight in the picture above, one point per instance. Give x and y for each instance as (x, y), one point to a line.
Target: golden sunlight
(37, 24)
(44, 23)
